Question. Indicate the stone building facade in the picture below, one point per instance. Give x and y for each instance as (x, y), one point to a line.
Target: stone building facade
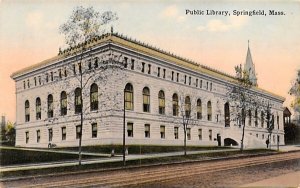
(156, 85)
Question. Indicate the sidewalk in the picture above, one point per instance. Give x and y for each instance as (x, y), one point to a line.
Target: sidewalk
(286, 180)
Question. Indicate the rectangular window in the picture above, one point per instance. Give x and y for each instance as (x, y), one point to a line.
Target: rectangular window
(184, 79)
(149, 69)
(172, 76)
(59, 73)
(210, 135)
(132, 64)
(94, 130)
(256, 135)
(50, 135)
(162, 132)
(90, 64)
(147, 131)
(51, 76)
(38, 136)
(164, 73)
(190, 80)
(210, 86)
(47, 77)
(78, 131)
(125, 62)
(79, 68)
(28, 83)
(200, 134)
(24, 84)
(34, 81)
(263, 136)
(188, 133)
(158, 71)
(40, 80)
(74, 69)
(66, 73)
(206, 85)
(201, 83)
(63, 133)
(177, 78)
(176, 132)
(196, 82)
(130, 129)
(143, 67)
(27, 137)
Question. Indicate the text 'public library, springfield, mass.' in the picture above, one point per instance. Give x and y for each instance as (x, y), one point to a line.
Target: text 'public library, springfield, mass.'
(116, 72)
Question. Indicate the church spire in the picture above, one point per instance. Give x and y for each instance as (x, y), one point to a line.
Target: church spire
(250, 68)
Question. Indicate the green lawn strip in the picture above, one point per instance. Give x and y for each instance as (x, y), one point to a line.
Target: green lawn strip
(140, 149)
(16, 156)
(134, 163)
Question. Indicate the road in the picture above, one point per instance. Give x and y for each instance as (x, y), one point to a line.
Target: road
(223, 173)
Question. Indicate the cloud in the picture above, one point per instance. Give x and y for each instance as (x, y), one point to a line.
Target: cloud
(217, 25)
(34, 19)
(172, 12)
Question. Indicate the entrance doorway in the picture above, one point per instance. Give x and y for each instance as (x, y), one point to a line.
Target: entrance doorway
(219, 139)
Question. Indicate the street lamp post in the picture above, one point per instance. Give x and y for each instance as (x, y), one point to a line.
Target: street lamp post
(124, 162)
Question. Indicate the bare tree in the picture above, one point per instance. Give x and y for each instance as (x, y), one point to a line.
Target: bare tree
(84, 26)
(242, 99)
(183, 107)
(269, 121)
(295, 91)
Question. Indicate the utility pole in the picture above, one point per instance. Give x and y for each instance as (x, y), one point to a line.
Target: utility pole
(124, 162)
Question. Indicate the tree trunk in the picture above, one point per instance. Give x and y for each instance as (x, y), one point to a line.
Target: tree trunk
(243, 135)
(80, 137)
(270, 140)
(184, 128)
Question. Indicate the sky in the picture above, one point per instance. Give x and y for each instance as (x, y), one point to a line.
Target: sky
(29, 34)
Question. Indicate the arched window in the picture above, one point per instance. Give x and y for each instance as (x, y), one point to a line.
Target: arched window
(128, 97)
(27, 111)
(161, 99)
(63, 103)
(146, 99)
(209, 111)
(38, 108)
(262, 118)
(187, 102)
(94, 97)
(199, 109)
(50, 106)
(78, 101)
(227, 114)
(175, 104)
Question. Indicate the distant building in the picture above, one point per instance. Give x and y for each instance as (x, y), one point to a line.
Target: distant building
(286, 116)
(291, 130)
(156, 84)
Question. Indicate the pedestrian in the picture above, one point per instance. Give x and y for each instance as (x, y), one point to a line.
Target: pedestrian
(267, 142)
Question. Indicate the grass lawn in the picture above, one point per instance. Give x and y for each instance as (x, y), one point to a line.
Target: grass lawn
(13, 156)
(141, 149)
(136, 163)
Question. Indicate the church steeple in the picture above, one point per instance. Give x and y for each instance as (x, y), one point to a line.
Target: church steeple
(250, 68)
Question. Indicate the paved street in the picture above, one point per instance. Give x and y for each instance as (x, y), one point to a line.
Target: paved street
(222, 173)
